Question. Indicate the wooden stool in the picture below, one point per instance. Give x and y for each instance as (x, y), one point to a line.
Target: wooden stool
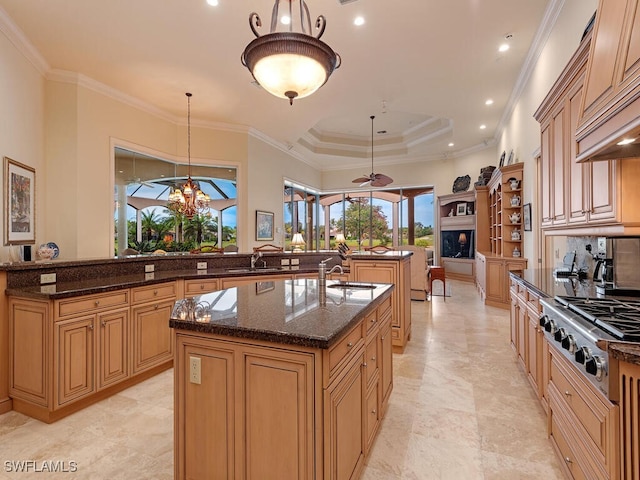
(437, 273)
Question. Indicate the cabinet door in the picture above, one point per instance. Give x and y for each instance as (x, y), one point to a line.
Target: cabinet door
(533, 348)
(385, 366)
(559, 155)
(522, 334)
(546, 186)
(514, 319)
(205, 413)
(150, 335)
(113, 347)
(74, 364)
(495, 281)
(602, 202)
(278, 394)
(577, 183)
(343, 424)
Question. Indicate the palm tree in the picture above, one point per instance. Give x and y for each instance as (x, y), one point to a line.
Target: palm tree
(201, 226)
(149, 224)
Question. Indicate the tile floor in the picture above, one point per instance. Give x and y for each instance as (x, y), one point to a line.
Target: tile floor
(461, 409)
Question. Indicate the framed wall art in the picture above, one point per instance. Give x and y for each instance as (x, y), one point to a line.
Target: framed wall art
(264, 225)
(461, 209)
(526, 216)
(19, 203)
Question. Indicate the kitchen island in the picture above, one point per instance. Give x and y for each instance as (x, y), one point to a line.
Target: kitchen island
(281, 379)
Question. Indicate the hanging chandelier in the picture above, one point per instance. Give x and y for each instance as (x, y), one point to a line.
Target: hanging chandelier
(290, 64)
(189, 200)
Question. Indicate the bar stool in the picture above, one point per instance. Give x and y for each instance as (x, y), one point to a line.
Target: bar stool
(437, 273)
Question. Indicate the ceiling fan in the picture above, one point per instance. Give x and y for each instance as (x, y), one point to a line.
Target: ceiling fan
(375, 179)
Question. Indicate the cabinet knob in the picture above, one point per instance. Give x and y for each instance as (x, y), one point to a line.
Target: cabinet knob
(374, 411)
(567, 393)
(373, 320)
(104, 324)
(567, 460)
(97, 302)
(350, 344)
(91, 326)
(155, 292)
(201, 286)
(156, 306)
(373, 359)
(364, 364)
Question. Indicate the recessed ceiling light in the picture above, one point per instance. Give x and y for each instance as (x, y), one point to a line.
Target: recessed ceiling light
(381, 132)
(504, 47)
(213, 3)
(489, 102)
(451, 144)
(626, 141)
(358, 21)
(285, 20)
(482, 127)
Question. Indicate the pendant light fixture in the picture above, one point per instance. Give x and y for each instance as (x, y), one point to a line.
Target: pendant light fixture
(290, 64)
(189, 200)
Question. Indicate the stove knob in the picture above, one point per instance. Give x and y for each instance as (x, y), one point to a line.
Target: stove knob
(569, 343)
(550, 326)
(544, 319)
(596, 366)
(560, 335)
(583, 354)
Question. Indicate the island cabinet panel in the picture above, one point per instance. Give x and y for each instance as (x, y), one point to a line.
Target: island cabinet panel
(30, 351)
(251, 414)
(344, 425)
(385, 363)
(399, 274)
(197, 287)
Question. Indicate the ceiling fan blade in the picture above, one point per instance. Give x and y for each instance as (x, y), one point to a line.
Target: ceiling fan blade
(361, 179)
(381, 180)
(365, 183)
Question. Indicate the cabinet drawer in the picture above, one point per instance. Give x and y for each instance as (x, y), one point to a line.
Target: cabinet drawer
(91, 303)
(339, 355)
(197, 287)
(385, 310)
(371, 322)
(559, 434)
(153, 292)
(581, 400)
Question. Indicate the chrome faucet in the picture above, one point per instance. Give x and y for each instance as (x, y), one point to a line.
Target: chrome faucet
(254, 258)
(323, 272)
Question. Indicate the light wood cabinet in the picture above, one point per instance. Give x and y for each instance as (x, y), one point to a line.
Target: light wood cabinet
(269, 411)
(151, 338)
(611, 102)
(200, 286)
(399, 274)
(493, 277)
(68, 353)
(584, 423)
(629, 396)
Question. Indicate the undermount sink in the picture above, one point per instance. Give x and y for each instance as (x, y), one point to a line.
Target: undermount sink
(252, 270)
(352, 286)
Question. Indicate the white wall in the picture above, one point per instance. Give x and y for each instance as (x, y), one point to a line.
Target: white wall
(522, 132)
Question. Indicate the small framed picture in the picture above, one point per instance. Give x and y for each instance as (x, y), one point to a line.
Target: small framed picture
(501, 164)
(511, 159)
(526, 216)
(461, 209)
(264, 225)
(19, 203)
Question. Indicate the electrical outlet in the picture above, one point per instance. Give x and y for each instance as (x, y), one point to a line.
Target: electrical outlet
(47, 278)
(149, 276)
(202, 265)
(295, 261)
(149, 268)
(195, 370)
(284, 261)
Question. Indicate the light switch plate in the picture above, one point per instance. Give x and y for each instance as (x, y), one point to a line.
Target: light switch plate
(202, 265)
(284, 261)
(149, 268)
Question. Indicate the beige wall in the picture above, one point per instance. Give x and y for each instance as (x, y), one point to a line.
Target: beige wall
(21, 124)
(522, 132)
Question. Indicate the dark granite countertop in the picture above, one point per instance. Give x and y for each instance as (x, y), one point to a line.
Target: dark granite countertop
(282, 311)
(108, 284)
(625, 352)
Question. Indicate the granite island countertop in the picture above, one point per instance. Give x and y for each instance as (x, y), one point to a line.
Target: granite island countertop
(293, 312)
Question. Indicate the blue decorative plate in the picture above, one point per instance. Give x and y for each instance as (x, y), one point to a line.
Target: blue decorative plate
(54, 247)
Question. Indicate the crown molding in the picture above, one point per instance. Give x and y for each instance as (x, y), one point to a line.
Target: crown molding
(19, 40)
